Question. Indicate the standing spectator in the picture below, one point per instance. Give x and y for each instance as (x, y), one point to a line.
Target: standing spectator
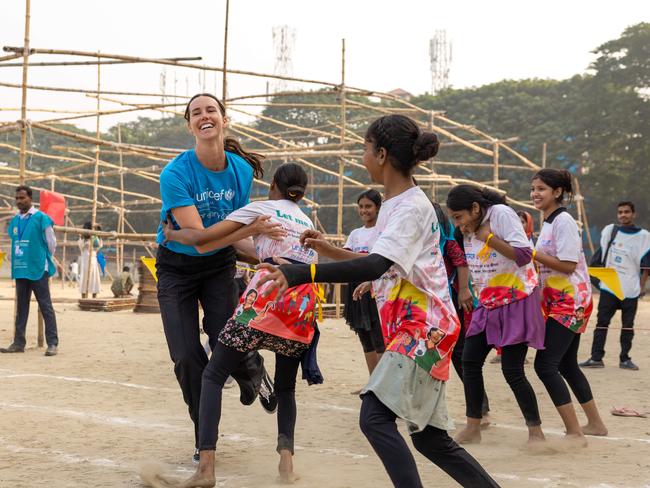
(90, 282)
(74, 271)
(32, 246)
(629, 255)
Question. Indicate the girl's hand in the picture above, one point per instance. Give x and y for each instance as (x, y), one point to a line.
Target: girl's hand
(276, 277)
(310, 234)
(318, 245)
(168, 231)
(483, 232)
(264, 225)
(361, 290)
(465, 299)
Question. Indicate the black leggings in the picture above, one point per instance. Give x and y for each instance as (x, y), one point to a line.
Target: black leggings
(184, 282)
(377, 422)
(457, 359)
(512, 365)
(223, 361)
(559, 360)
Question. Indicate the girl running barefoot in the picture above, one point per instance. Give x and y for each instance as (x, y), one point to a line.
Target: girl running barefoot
(418, 320)
(508, 316)
(362, 315)
(282, 324)
(566, 303)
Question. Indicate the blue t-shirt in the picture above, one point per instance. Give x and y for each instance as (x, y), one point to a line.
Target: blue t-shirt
(185, 181)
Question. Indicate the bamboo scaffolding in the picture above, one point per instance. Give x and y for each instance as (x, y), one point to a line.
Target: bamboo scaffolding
(23, 105)
(83, 63)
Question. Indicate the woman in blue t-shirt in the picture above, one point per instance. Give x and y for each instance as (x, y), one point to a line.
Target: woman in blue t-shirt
(200, 187)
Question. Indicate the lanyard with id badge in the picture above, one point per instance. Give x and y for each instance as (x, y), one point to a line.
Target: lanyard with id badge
(21, 228)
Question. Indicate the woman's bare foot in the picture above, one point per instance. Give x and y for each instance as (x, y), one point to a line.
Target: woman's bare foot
(471, 434)
(285, 468)
(575, 440)
(599, 430)
(486, 421)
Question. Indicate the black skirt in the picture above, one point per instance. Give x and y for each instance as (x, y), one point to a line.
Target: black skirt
(360, 314)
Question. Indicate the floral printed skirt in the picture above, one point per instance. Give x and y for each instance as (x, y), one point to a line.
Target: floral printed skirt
(245, 339)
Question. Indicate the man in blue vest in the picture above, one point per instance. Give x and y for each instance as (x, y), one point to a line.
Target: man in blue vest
(32, 246)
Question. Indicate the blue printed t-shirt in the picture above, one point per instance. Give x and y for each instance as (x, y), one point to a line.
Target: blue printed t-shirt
(215, 194)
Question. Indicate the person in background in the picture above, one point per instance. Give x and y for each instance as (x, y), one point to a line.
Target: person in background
(89, 281)
(123, 284)
(32, 246)
(629, 255)
(362, 315)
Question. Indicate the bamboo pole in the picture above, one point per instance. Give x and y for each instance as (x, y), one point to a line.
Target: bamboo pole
(432, 124)
(339, 215)
(120, 225)
(224, 85)
(495, 164)
(93, 215)
(83, 63)
(23, 104)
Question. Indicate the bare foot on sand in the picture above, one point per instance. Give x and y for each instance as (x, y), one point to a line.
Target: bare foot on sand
(538, 445)
(599, 430)
(285, 468)
(485, 421)
(199, 480)
(574, 441)
(469, 435)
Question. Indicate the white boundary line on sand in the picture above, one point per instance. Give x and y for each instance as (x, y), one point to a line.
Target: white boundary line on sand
(68, 458)
(9, 374)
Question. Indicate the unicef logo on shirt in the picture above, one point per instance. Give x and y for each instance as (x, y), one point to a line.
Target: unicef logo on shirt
(215, 195)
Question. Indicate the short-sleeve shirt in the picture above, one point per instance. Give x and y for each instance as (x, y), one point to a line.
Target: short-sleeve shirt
(361, 240)
(629, 251)
(417, 316)
(497, 279)
(215, 194)
(565, 297)
(293, 220)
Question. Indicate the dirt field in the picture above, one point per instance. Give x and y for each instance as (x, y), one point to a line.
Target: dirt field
(109, 402)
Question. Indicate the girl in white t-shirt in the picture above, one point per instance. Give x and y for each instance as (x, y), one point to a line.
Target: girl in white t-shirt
(418, 319)
(508, 316)
(362, 315)
(566, 303)
(284, 324)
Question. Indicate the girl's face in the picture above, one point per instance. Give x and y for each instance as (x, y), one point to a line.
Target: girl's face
(466, 220)
(523, 221)
(250, 300)
(206, 121)
(367, 211)
(374, 161)
(542, 195)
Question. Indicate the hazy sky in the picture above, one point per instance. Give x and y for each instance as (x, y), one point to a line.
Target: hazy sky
(387, 42)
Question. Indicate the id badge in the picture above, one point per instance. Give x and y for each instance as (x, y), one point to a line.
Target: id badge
(18, 251)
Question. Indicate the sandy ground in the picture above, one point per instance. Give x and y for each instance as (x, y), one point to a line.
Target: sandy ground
(109, 403)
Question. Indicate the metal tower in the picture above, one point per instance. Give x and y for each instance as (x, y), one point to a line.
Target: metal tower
(284, 38)
(440, 58)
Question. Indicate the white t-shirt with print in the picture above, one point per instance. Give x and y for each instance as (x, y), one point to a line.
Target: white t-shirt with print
(413, 295)
(497, 279)
(625, 255)
(293, 221)
(361, 240)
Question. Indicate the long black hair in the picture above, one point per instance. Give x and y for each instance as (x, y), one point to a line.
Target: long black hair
(403, 140)
(463, 197)
(231, 144)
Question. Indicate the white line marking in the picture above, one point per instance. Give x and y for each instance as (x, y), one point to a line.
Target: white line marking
(320, 406)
